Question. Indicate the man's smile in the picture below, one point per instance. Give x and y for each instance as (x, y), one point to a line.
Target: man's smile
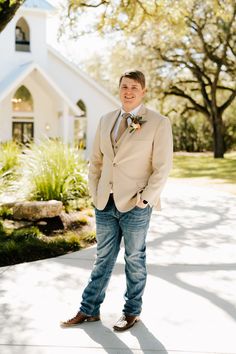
(129, 98)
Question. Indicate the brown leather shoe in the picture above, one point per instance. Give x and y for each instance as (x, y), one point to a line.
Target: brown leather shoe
(79, 318)
(125, 322)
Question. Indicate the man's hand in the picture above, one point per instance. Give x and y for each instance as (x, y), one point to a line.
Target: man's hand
(141, 204)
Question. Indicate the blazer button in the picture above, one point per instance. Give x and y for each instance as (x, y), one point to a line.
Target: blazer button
(114, 164)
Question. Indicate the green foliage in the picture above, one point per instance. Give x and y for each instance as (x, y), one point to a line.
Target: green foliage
(9, 163)
(54, 171)
(5, 212)
(192, 134)
(190, 56)
(28, 244)
(78, 204)
(83, 220)
(88, 237)
(203, 165)
(9, 157)
(25, 234)
(230, 128)
(2, 231)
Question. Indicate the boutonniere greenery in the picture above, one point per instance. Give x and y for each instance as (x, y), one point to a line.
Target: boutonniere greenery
(136, 123)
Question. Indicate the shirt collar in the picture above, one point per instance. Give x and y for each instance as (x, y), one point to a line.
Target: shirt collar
(133, 112)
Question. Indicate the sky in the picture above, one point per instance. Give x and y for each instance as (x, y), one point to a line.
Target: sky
(77, 50)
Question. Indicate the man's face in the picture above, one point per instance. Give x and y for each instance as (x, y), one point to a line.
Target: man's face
(131, 93)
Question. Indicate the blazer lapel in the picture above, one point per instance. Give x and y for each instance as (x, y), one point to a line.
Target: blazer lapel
(141, 112)
(110, 127)
(127, 135)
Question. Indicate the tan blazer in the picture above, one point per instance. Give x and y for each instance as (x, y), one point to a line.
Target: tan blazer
(137, 166)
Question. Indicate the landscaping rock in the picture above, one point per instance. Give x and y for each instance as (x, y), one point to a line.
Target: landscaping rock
(71, 221)
(37, 210)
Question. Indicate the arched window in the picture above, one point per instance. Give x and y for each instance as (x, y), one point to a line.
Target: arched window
(22, 100)
(22, 119)
(80, 126)
(22, 36)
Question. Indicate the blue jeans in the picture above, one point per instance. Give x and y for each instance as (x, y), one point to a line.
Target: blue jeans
(111, 225)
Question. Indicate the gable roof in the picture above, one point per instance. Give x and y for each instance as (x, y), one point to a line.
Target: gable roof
(84, 76)
(38, 4)
(12, 80)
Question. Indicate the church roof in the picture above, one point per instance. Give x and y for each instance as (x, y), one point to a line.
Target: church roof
(84, 75)
(8, 83)
(12, 80)
(38, 4)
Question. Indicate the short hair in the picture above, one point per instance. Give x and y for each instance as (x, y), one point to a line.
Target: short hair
(134, 75)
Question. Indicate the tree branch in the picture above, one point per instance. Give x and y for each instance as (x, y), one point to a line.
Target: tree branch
(84, 4)
(176, 91)
(227, 103)
(7, 12)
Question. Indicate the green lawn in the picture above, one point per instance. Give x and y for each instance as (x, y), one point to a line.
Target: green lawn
(204, 165)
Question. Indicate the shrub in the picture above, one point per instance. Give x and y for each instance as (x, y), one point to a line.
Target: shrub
(53, 170)
(2, 230)
(79, 204)
(28, 244)
(83, 220)
(25, 233)
(5, 212)
(9, 156)
(9, 162)
(88, 237)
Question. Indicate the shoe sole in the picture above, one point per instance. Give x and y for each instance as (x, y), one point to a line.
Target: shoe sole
(67, 325)
(121, 329)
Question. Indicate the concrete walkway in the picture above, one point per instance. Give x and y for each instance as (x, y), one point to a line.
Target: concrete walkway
(190, 298)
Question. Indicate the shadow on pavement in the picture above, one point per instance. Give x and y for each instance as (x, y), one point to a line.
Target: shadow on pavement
(110, 340)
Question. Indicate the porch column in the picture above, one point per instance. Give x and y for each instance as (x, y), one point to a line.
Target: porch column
(65, 123)
(71, 123)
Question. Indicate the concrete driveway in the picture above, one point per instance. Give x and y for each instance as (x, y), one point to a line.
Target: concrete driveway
(189, 302)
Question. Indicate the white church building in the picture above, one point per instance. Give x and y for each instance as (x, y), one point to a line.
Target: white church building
(42, 94)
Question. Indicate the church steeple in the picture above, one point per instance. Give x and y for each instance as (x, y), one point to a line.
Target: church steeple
(31, 29)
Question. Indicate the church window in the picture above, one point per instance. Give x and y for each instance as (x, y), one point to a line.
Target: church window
(80, 127)
(22, 36)
(22, 119)
(22, 100)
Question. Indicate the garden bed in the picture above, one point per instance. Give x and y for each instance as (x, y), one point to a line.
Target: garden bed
(25, 241)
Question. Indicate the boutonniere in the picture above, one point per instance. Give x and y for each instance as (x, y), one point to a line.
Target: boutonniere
(136, 123)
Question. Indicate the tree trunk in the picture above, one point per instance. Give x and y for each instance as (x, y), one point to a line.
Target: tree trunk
(7, 11)
(218, 136)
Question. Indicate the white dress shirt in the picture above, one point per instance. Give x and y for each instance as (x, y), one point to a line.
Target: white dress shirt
(133, 112)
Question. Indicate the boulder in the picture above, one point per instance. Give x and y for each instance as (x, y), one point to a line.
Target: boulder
(36, 210)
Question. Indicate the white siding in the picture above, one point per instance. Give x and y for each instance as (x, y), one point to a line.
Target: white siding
(77, 88)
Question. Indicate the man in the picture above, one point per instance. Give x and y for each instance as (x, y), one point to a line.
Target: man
(129, 165)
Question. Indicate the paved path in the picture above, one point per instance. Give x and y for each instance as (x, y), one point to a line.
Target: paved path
(189, 302)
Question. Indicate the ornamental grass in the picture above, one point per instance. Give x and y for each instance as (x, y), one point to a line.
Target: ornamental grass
(53, 170)
(9, 163)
